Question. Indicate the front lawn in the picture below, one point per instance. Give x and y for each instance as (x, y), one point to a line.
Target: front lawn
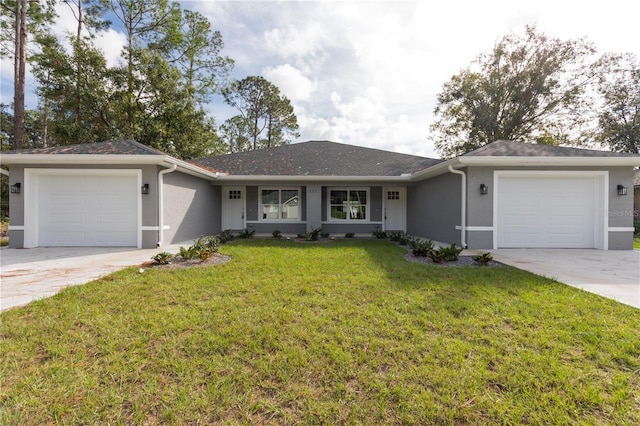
(636, 242)
(345, 332)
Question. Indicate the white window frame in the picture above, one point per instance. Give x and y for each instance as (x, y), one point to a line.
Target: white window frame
(279, 189)
(348, 218)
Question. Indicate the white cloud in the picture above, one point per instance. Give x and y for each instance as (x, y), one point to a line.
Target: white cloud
(291, 82)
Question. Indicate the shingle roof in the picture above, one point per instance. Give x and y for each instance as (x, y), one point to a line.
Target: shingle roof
(503, 148)
(116, 147)
(317, 158)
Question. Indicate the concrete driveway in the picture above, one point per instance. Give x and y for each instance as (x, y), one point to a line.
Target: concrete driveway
(614, 274)
(31, 274)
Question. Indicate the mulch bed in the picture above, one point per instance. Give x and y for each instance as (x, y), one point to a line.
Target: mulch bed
(462, 261)
(178, 263)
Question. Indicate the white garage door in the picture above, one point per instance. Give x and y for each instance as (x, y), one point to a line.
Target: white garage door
(553, 212)
(87, 210)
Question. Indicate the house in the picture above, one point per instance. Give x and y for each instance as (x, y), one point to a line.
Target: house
(636, 195)
(505, 194)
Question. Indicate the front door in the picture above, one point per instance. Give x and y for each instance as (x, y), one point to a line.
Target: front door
(233, 208)
(394, 209)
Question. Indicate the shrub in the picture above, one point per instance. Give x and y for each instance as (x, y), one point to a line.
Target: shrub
(277, 234)
(451, 253)
(350, 235)
(483, 259)
(421, 248)
(379, 234)
(247, 233)
(226, 236)
(395, 235)
(313, 235)
(162, 258)
(636, 227)
(404, 239)
(436, 256)
(325, 234)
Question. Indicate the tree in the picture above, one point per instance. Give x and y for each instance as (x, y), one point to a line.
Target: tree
(198, 56)
(75, 101)
(530, 88)
(261, 108)
(26, 16)
(619, 116)
(234, 131)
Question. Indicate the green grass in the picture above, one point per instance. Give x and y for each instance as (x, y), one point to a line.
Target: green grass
(345, 332)
(636, 242)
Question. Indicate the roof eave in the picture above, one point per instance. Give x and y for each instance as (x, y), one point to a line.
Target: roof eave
(8, 159)
(108, 159)
(315, 178)
(549, 161)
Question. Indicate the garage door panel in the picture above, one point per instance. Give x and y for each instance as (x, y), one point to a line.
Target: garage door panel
(556, 212)
(88, 210)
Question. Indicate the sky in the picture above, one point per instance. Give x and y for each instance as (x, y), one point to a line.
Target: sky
(368, 73)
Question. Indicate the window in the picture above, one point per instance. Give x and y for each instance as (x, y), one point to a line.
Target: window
(235, 194)
(393, 195)
(348, 204)
(280, 204)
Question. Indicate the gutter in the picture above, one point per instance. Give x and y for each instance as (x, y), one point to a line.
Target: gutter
(463, 205)
(160, 202)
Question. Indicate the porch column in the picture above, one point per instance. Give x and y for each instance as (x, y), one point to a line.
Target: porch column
(314, 207)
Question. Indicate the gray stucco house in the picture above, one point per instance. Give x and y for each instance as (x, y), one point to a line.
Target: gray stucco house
(506, 194)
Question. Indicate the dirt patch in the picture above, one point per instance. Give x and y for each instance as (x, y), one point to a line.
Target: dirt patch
(179, 263)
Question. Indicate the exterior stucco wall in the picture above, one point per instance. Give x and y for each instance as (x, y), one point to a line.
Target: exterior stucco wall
(480, 207)
(191, 208)
(16, 201)
(433, 208)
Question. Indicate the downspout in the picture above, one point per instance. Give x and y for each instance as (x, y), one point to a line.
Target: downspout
(161, 202)
(463, 206)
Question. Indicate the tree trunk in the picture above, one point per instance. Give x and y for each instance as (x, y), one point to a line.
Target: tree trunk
(19, 73)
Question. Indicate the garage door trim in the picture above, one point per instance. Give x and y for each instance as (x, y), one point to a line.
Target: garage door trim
(601, 197)
(31, 178)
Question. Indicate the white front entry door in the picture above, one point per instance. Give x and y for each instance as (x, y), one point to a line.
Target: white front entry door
(233, 208)
(394, 200)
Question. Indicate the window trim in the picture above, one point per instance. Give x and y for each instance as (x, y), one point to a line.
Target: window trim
(279, 189)
(348, 218)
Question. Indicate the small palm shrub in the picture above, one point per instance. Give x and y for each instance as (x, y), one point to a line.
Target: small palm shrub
(247, 233)
(162, 258)
(313, 235)
(421, 248)
(451, 253)
(483, 259)
(277, 234)
(226, 236)
(379, 234)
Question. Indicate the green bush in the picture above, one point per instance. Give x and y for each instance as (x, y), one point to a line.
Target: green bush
(350, 235)
(313, 235)
(636, 227)
(162, 258)
(381, 235)
(483, 259)
(247, 233)
(421, 248)
(277, 234)
(451, 253)
(226, 236)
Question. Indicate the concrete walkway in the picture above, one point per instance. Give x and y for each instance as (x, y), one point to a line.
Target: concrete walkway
(614, 274)
(31, 274)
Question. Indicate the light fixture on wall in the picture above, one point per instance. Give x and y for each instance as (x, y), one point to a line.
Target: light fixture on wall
(15, 188)
(622, 190)
(145, 189)
(484, 189)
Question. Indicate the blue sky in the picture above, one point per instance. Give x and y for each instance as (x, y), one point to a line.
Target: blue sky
(368, 72)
